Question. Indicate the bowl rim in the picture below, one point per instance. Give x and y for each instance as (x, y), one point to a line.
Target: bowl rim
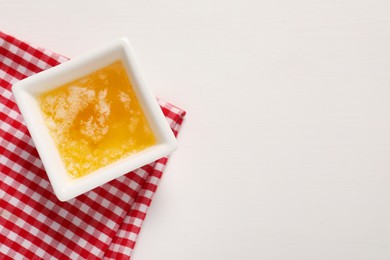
(26, 91)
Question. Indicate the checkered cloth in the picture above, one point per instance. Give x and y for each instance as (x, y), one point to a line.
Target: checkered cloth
(34, 224)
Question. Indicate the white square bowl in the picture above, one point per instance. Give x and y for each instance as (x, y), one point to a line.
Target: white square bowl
(26, 92)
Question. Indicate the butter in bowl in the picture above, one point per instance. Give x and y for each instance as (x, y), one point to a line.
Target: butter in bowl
(93, 119)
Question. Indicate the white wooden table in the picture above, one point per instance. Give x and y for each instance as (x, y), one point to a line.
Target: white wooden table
(285, 152)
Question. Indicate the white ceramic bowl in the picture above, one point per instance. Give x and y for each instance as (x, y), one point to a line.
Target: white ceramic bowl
(27, 90)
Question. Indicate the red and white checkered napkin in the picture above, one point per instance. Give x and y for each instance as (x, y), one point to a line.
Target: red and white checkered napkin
(103, 223)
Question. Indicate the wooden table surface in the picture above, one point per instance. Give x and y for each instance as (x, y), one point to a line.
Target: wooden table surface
(285, 152)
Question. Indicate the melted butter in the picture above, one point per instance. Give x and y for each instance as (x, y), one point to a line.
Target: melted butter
(96, 120)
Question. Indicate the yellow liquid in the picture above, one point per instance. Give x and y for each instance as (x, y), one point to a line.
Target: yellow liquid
(96, 120)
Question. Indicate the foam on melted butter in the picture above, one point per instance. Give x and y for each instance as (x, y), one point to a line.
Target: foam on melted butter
(96, 120)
